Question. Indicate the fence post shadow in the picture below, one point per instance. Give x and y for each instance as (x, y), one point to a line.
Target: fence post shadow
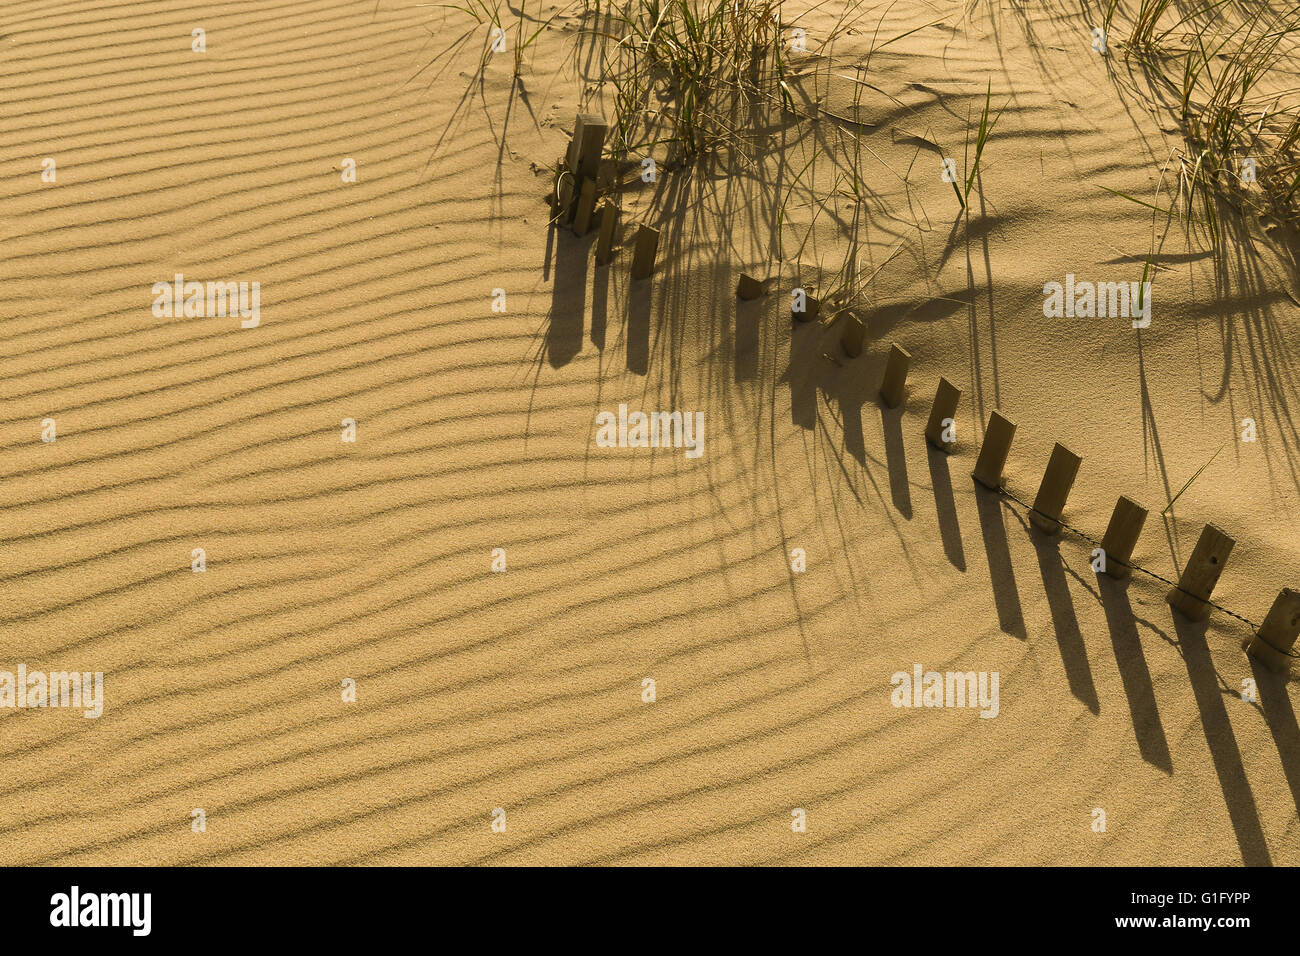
(1223, 745)
(1280, 716)
(900, 492)
(802, 373)
(599, 305)
(1005, 595)
(1134, 673)
(946, 507)
(746, 338)
(1074, 655)
(568, 298)
(638, 326)
(850, 406)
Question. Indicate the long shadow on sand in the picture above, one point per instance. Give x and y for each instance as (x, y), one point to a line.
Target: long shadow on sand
(1005, 596)
(1074, 655)
(638, 326)
(568, 298)
(1280, 715)
(1134, 673)
(1209, 691)
(599, 305)
(805, 344)
(747, 338)
(891, 423)
(1208, 687)
(946, 507)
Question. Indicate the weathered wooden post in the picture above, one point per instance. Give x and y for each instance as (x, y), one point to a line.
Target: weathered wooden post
(1196, 583)
(894, 386)
(944, 409)
(605, 238)
(855, 333)
(575, 186)
(810, 306)
(585, 148)
(994, 451)
(1058, 479)
(585, 207)
(1121, 537)
(749, 288)
(643, 252)
(1277, 635)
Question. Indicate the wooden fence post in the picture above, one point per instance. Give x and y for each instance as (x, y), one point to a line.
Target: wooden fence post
(749, 288)
(994, 451)
(1276, 638)
(810, 307)
(643, 253)
(855, 333)
(585, 207)
(1196, 583)
(1058, 479)
(1121, 537)
(585, 148)
(894, 386)
(605, 238)
(944, 409)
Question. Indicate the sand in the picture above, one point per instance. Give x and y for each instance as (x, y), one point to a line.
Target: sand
(523, 690)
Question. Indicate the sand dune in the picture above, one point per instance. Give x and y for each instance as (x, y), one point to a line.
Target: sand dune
(372, 560)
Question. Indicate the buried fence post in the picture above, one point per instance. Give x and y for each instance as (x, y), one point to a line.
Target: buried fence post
(994, 451)
(804, 308)
(895, 381)
(855, 332)
(584, 149)
(749, 288)
(943, 410)
(1196, 583)
(585, 207)
(605, 238)
(1057, 481)
(1121, 537)
(575, 185)
(643, 253)
(1272, 644)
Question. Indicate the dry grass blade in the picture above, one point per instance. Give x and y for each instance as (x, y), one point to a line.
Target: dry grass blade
(1196, 475)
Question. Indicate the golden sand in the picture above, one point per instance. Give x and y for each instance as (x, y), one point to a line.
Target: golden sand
(372, 560)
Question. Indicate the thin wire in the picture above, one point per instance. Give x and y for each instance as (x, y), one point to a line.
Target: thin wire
(1159, 577)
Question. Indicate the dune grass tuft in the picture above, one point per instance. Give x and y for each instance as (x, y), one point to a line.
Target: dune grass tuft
(693, 76)
(1225, 65)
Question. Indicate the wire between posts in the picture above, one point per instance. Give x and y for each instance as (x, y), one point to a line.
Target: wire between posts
(1159, 577)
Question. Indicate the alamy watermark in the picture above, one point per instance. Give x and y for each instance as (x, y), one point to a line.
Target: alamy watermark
(208, 300)
(652, 430)
(75, 908)
(28, 689)
(951, 689)
(1087, 300)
